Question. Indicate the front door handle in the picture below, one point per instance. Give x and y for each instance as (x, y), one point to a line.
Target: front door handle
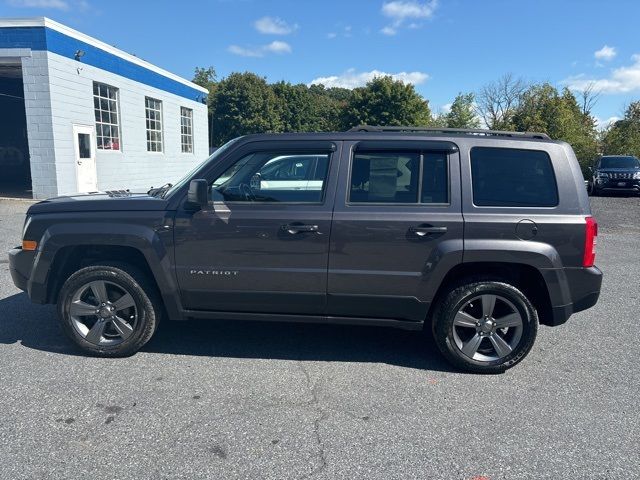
(294, 228)
(427, 230)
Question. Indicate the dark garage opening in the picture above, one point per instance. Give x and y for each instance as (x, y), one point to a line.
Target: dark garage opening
(15, 171)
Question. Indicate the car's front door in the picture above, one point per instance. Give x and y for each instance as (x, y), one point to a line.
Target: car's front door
(262, 245)
(397, 227)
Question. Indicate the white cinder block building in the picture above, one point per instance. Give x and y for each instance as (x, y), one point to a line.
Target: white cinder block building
(78, 115)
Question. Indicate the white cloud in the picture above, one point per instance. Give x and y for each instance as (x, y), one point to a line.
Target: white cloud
(446, 108)
(353, 79)
(602, 124)
(401, 11)
(274, 26)
(54, 4)
(276, 46)
(621, 80)
(605, 53)
(341, 31)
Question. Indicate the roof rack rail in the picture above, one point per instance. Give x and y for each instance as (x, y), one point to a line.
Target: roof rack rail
(454, 131)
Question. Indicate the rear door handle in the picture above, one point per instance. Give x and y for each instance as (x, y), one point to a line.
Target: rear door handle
(423, 231)
(294, 228)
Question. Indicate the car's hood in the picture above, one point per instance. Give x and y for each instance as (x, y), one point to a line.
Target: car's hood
(99, 201)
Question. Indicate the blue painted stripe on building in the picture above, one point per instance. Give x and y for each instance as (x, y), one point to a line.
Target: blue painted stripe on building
(42, 38)
(23, 37)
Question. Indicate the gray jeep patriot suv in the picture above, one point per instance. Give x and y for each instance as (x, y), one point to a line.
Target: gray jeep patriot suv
(474, 236)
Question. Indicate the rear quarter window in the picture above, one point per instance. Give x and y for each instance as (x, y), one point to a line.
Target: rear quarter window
(509, 177)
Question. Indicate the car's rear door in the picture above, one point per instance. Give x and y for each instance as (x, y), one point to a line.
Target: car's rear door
(397, 228)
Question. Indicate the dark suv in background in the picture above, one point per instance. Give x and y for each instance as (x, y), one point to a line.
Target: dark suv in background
(615, 173)
(474, 236)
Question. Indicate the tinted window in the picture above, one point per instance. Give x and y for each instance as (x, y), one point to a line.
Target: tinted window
(385, 177)
(512, 178)
(619, 162)
(274, 177)
(435, 178)
(393, 177)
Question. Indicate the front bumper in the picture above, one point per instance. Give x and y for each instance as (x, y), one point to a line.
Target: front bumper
(618, 185)
(20, 267)
(583, 291)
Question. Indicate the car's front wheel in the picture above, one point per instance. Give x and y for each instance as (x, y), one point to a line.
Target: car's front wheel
(108, 311)
(485, 327)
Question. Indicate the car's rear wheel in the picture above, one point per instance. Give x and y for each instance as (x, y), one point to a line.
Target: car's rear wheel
(485, 327)
(108, 311)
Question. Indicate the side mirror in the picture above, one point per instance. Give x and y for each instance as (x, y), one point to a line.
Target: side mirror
(198, 195)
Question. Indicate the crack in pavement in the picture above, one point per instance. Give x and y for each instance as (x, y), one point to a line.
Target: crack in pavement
(313, 389)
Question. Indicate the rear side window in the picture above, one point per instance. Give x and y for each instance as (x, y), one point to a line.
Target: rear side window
(508, 177)
(399, 177)
(385, 177)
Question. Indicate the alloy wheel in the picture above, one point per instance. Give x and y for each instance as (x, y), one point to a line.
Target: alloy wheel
(487, 328)
(103, 313)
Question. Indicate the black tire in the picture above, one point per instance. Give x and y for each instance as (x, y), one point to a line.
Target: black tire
(456, 299)
(146, 301)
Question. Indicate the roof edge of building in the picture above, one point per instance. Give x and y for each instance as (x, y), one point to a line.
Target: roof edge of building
(70, 32)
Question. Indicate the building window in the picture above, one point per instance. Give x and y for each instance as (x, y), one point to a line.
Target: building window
(153, 114)
(186, 129)
(105, 104)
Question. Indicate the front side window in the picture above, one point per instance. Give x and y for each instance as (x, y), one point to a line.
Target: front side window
(404, 177)
(153, 115)
(274, 177)
(105, 106)
(186, 129)
(509, 177)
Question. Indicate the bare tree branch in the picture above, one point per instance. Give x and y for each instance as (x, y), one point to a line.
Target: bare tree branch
(497, 101)
(589, 97)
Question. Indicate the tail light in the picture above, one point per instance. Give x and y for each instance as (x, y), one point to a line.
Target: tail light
(590, 242)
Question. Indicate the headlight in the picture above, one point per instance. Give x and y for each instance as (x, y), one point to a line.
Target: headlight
(636, 176)
(602, 175)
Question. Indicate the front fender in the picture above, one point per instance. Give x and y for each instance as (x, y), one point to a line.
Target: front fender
(152, 242)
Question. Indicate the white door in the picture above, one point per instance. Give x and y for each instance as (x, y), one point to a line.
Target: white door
(84, 145)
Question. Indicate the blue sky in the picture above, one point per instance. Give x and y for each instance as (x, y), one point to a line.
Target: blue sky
(442, 46)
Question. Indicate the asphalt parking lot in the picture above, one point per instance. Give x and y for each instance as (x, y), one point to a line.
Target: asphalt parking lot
(229, 400)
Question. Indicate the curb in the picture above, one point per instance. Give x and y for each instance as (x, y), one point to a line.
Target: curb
(17, 199)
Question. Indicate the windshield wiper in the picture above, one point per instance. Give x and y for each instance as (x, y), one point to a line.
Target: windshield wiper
(159, 191)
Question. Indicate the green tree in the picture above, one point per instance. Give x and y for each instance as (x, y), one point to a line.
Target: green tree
(623, 137)
(243, 103)
(543, 109)
(462, 113)
(385, 101)
(207, 78)
(304, 109)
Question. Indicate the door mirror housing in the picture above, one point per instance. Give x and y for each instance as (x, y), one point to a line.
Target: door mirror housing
(198, 195)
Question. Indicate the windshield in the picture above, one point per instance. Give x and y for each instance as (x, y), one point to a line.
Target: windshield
(619, 162)
(187, 178)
